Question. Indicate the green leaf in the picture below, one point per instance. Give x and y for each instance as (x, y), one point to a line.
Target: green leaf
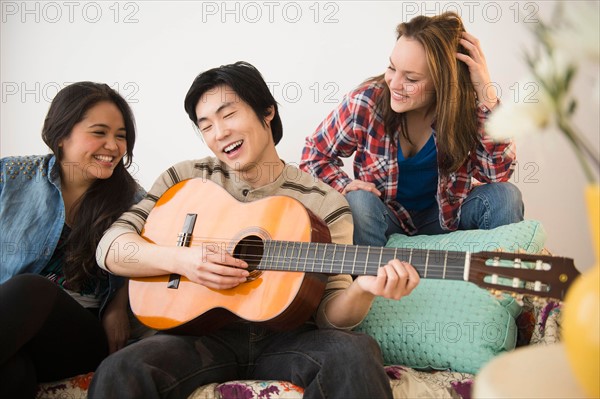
(572, 107)
(571, 71)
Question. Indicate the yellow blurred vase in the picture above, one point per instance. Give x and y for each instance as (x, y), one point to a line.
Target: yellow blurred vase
(581, 315)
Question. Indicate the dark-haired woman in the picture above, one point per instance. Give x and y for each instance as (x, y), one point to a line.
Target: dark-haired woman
(60, 315)
(419, 143)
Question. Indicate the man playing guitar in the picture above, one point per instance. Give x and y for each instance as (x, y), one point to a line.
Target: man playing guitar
(238, 119)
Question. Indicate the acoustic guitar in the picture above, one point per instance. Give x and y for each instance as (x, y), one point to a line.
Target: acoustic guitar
(289, 254)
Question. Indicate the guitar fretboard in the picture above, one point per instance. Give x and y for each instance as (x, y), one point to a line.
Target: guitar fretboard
(328, 258)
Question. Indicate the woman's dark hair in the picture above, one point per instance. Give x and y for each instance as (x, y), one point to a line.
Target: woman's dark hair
(455, 99)
(106, 199)
(247, 82)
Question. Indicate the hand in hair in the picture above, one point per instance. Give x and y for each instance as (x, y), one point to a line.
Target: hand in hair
(480, 76)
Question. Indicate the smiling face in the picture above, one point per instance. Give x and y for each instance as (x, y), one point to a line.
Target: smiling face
(95, 146)
(408, 77)
(234, 133)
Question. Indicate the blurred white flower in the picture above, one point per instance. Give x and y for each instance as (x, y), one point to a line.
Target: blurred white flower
(550, 67)
(562, 45)
(513, 120)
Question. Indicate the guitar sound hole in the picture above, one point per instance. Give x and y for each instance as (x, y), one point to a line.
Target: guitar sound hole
(250, 249)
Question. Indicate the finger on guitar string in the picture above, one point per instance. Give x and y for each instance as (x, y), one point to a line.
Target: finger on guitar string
(214, 268)
(223, 257)
(402, 278)
(208, 278)
(413, 277)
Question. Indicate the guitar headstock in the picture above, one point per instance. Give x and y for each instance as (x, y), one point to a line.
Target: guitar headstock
(538, 275)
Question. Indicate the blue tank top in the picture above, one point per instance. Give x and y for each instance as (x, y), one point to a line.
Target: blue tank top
(418, 178)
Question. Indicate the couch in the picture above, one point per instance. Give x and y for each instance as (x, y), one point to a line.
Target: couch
(433, 341)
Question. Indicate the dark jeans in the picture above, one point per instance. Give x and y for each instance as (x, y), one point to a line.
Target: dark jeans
(327, 363)
(45, 335)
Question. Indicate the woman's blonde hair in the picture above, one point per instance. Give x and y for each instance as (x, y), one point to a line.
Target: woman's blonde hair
(454, 102)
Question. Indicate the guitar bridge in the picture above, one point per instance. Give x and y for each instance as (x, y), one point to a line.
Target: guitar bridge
(254, 274)
(183, 240)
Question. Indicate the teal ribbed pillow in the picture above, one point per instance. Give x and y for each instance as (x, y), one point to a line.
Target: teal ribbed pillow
(528, 236)
(447, 324)
(443, 325)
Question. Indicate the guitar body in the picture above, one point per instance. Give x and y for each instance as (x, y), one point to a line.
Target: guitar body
(279, 300)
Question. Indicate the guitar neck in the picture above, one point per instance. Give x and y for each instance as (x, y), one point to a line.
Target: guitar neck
(328, 258)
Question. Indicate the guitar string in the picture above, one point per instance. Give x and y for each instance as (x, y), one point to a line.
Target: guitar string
(324, 250)
(212, 241)
(370, 268)
(251, 244)
(281, 263)
(275, 259)
(457, 253)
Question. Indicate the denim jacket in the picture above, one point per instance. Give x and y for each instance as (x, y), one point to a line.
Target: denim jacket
(32, 216)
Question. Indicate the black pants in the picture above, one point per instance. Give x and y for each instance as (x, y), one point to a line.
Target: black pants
(327, 363)
(45, 335)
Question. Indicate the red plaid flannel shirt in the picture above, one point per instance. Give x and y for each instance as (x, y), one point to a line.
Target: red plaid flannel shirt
(356, 127)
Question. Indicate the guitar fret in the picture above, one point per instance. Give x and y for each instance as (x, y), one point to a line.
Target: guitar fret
(333, 258)
(379, 262)
(280, 262)
(291, 257)
(315, 256)
(467, 266)
(344, 257)
(445, 263)
(354, 262)
(367, 259)
(274, 260)
(305, 256)
(324, 255)
(282, 258)
(267, 249)
(426, 263)
(298, 257)
(279, 250)
(410, 256)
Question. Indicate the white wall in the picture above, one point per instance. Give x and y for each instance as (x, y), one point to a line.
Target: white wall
(311, 53)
